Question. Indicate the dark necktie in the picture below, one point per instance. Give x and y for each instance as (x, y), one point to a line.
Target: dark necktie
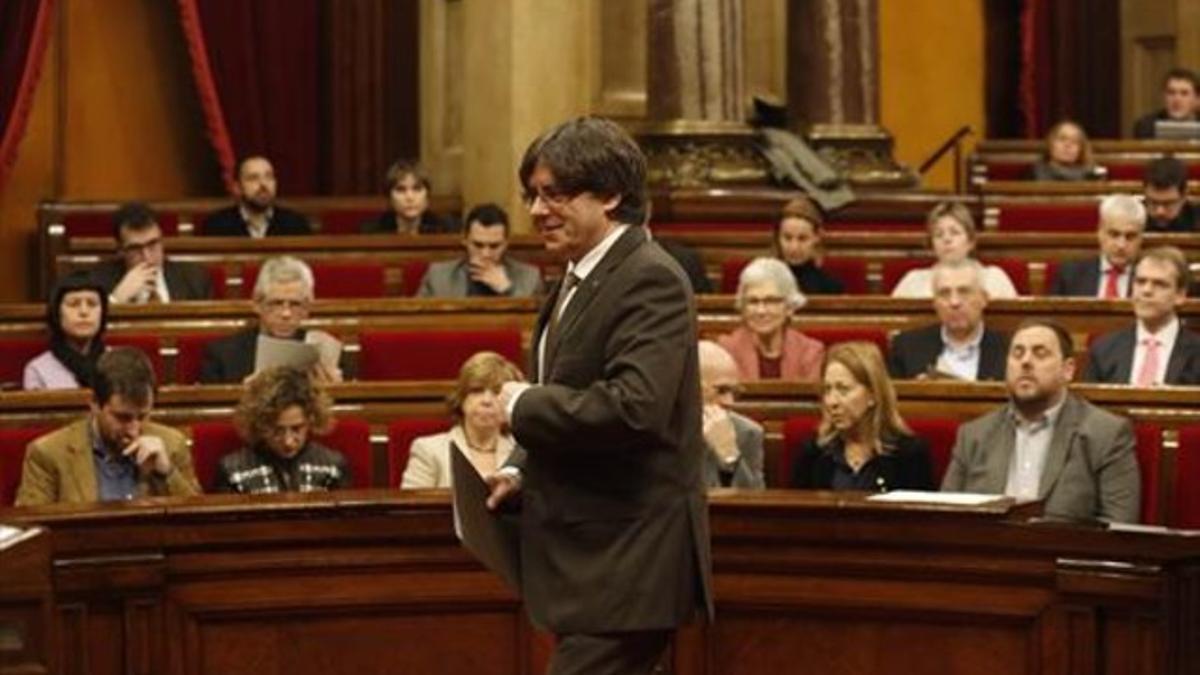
(564, 291)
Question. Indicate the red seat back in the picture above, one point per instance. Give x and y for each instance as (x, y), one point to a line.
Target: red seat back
(1008, 170)
(1017, 270)
(18, 351)
(1149, 456)
(12, 457)
(1048, 218)
(894, 270)
(940, 433)
(731, 273)
(334, 280)
(147, 344)
(401, 434)
(1185, 511)
(832, 336)
(796, 430)
(712, 226)
(190, 356)
(213, 440)
(414, 272)
(852, 272)
(99, 224)
(345, 221)
(429, 355)
(220, 281)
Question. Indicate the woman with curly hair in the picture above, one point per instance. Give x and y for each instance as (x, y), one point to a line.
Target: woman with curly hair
(279, 411)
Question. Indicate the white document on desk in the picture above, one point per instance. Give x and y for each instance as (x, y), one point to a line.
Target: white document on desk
(946, 498)
(271, 352)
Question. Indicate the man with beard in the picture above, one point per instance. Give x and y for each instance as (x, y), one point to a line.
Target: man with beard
(1047, 443)
(255, 214)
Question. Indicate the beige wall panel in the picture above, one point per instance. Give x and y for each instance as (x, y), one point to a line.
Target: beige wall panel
(620, 56)
(931, 55)
(764, 40)
(442, 80)
(1148, 48)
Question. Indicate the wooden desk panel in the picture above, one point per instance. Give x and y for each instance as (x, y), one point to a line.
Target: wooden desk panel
(374, 582)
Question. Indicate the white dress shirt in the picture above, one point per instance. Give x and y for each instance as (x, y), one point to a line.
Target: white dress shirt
(1166, 343)
(1122, 279)
(960, 359)
(1030, 448)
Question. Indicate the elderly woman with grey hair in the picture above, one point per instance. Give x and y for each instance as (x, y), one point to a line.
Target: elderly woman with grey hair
(283, 296)
(765, 346)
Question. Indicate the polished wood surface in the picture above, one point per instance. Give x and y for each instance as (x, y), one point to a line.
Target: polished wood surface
(374, 582)
(26, 602)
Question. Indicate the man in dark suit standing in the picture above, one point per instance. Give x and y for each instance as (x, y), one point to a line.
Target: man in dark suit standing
(255, 214)
(1108, 275)
(141, 272)
(1157, 350)
(959, 345)
(614, 530)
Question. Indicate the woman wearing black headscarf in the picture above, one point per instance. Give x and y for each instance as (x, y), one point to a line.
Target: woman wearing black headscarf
(77, 315)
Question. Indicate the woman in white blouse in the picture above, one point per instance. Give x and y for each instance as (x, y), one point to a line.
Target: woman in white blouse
(479, 430)
(952, 238)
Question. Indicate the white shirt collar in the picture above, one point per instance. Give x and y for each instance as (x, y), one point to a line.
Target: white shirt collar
(593, 257)
(972, 343)
(1045, 421)
(1165, 336)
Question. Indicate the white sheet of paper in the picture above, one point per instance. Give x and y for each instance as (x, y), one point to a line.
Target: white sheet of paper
(272, 352)
(920, 497)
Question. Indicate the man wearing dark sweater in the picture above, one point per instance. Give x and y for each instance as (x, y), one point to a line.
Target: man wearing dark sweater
(255, 214)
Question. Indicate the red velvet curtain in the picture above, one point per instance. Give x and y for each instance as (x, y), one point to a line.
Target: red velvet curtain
(24, 30)
(257, 67)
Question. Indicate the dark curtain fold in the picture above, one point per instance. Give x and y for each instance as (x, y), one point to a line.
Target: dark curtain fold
(25, 26)
(1052, 59)
(327, 90)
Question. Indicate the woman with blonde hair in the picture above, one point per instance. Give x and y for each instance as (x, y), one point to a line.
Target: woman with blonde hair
(862, 442)
(479, 430)
(952, 237)
(280, 411)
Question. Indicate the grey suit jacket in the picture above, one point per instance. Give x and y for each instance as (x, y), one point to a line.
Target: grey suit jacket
(1091, 469)
(1081, 278)
(185, 281)
(614, 525)
(1110, 359)
(451, 279)
(748, 471)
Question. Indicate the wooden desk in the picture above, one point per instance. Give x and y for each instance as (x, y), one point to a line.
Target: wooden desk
(26, 602)
(374, 582)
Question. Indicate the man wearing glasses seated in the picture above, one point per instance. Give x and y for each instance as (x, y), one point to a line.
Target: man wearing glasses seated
(735, 442)
(283, 295)
(141, 272)
(1164, 193)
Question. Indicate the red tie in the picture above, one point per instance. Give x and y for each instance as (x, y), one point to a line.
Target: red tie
(1111, 290)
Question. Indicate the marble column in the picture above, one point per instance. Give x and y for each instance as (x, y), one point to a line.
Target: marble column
(695, 133)
(833, 88)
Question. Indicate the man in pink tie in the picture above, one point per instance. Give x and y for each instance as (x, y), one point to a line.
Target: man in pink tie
(1122, 219)
(1157, 350)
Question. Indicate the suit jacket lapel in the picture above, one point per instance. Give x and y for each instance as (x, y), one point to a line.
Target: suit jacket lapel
(1123, 353)
(1184, 346)
(589, 288)
(81, 466)
(1060, 442)
(1001, 457)
(543, 318)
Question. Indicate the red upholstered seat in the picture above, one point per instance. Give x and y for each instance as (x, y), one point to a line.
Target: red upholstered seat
(1016, 269)
(429, 355)
(1149, 456)
(1185, 509)
(99, 224)
(796, 430)
(414, 272)
(147, 344)
(17, 352)
(731, 273)
(940, 433)
(335, 280)
(220, 281)
(1126, 170)
(401, 434)
(12, 456)
(894, 270)
(1048, 218)
(190, 356)
(213, 440)
(345, 221)
(876, 225)
(1008, 170)
(832, 336)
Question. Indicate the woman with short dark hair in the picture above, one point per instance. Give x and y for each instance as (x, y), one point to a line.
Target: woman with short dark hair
(77, 316)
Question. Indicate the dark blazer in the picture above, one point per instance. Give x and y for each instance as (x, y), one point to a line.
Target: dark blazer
(230, 359)
(815, 281)
(228, 223)
(1110, 358)
(1081, 278)
(1091, 470)
(906, 466)
(614, 525)
(1144, 126)
(691, 262)
(431, 223)
(914, 351)
(1184, 222)
(185, 281)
